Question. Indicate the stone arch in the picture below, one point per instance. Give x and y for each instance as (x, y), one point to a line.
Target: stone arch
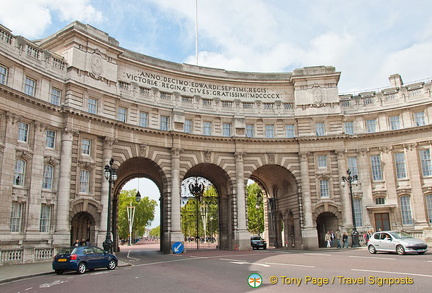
(280, 194)
(138, 167)
(225, 188)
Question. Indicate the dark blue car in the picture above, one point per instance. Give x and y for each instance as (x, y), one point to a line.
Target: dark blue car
(82, 258)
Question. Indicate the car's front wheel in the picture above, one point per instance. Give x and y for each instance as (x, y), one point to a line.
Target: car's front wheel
(372, 249)
(400, 250)
(81, 268)
(112, 264)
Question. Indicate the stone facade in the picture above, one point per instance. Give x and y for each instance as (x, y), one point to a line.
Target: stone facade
(75, 100)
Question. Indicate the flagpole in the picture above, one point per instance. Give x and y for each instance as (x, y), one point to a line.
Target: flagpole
(196, 31)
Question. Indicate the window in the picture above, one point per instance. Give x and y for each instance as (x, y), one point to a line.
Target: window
(84, 181)
(250, 131)
(48, 177)
(400, 165)
(429, 207)
(92, 106)
(324, 188)
(55, 96)
(188, 126)
(30, 87)
(379, 200)
(3, 75)
(207, 127)
(45, 218)
(394, 123)
(405, 207)
(85, 147)
(419, 119)
(19, 175)
(16, 217)
(23, 129)
(143, 119)
(269, 131)
(121, 114)
(226, 131)
(371, 125)
(425, 160)
(164, 123)
(322, 161)
(50, 139)
(320, 129)
(358, 217)
(376, 168)
(352, 165)
(349, 127)
(290, 131)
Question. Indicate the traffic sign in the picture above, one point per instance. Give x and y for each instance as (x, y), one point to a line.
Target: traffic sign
(177, 247)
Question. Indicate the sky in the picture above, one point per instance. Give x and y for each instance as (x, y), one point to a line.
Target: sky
(365, 40)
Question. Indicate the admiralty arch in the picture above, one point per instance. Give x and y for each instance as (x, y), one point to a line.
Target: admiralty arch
(73, 101)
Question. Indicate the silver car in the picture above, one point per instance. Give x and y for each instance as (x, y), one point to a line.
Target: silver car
(400, 242)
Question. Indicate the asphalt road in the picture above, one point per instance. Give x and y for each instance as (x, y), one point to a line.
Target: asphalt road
(353, 270)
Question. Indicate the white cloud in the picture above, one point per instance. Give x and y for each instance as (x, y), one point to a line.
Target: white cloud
(31, 18)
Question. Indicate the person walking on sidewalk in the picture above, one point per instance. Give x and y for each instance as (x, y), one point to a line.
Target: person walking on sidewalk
(328, 239)
(345, 240)
(338, 239)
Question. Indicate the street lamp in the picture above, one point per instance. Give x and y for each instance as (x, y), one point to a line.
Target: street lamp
(352, 180)
(110, 175)
(197, 190)
(131, 214)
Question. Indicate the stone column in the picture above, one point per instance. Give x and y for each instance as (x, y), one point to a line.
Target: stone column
(309, 232)
(418, 209)
(344, 192)
(107, 156)
(242, 235)
(176, 233)
(36, 175)
(62, 231)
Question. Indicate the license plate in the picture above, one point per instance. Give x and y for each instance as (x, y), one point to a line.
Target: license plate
(61, 260)
(421, 250)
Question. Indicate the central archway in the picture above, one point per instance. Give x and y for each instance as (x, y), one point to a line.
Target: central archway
(223, 185)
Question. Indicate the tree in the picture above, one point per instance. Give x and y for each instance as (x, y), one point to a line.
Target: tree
(144, 213)
(155, 232)
(255, 209)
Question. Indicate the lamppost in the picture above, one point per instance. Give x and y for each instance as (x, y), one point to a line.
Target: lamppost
(352, 180)
(110, 175)
(131, 214)
(197, 190)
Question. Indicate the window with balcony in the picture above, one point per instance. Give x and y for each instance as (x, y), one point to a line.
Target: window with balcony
(207, 128)
(322, 161)
(188, 126)
(376, 168)
(425, 160)
(23, 131)
(143, 119)
(290, 131)
(20, 172)
(48, 175)
(394, 123)
(400, 165)
(349, 127)
(226, 131)
(352, 165)
(320, 129)
(420, 118)
(86, 147)
(324, 188)
(164, 123)
(405, 206)
(50, 139)
(84, 181)
(92, 106)
(371, 126)
(16, 216)
(122, 114)
(250, 130)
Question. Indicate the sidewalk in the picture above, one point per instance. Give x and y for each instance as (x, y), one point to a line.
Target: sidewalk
(21, 271)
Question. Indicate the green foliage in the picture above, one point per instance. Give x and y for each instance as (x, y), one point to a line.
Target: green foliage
(155, 232)
(144, 213)
(202, 214)
(255, 209)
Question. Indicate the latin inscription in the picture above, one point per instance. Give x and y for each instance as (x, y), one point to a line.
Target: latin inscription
(200, 88)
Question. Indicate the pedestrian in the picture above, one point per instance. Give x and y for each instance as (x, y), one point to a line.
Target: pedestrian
(327, 238)
(338, 239)
(332, 238)
(345, 240)
(77, 243)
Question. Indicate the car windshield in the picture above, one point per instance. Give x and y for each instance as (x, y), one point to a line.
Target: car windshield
(67, 250)
(256, 238)
(400, 235)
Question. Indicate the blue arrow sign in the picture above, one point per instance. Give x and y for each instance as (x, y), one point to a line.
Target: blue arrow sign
(177, 247)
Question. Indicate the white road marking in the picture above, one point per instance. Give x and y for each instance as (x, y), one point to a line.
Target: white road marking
(393, 273)
(289, 264)
(320, 254)
(372, 257)
(249, 263)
